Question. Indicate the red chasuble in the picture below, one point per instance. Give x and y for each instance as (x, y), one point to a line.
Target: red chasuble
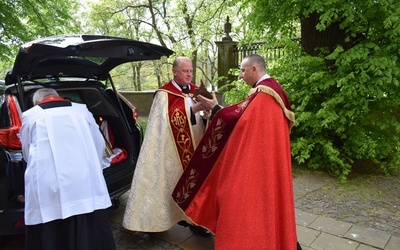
(239, 181)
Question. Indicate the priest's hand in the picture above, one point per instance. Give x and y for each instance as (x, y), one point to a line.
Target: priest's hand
(198, 106)
(206, 102)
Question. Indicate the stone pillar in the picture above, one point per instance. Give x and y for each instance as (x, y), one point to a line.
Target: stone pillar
(226, 56)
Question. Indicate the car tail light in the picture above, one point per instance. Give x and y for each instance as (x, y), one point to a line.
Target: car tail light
(135, 114)
(20, 223)
(9, 136)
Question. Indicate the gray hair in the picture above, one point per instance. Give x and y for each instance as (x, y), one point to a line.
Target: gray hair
(178, 61)
(40, 94)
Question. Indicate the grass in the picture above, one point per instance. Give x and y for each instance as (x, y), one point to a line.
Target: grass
(143, 124)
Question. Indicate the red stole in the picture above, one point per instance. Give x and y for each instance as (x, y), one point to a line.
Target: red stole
(179, 121)
(239, 183)
(52, 98)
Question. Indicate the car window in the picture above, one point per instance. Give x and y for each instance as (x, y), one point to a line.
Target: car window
(72, 96)
(92, 96)
(94, 99)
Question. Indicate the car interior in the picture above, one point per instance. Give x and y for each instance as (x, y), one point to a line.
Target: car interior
(103, 112)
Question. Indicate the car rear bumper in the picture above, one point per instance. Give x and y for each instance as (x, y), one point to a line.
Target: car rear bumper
(12, 221)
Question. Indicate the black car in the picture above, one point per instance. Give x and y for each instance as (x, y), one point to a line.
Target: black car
(78, 67)
(2, 88)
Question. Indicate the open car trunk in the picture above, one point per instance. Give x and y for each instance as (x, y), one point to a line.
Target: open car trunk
(76, 66)
(115, 120)
(124, 134)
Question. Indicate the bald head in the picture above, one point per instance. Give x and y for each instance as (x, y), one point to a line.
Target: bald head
(256, 60)
(252, 69)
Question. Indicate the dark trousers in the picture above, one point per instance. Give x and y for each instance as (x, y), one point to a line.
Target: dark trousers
(90, 231)
(299, 247)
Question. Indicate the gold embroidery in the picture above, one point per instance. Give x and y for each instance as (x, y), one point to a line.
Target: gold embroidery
(178, 119)
(190, 183)
(242, 106)
(183, 139)
(208, 149)
(211, 145)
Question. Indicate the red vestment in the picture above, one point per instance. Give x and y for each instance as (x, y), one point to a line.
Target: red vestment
(179, 121)
(239, 181)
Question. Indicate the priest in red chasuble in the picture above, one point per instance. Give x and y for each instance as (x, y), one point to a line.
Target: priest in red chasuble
(238, 183)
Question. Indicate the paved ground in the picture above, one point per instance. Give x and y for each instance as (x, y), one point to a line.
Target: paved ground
(362, 214)
(367, 200)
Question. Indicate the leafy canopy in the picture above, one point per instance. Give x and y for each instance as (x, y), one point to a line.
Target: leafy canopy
(23, 21)
(345, 91)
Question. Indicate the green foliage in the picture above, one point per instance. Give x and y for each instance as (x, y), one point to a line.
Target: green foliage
(346, 101)
(188, 28)
(143, 125)
(235, 91)
(23, 21)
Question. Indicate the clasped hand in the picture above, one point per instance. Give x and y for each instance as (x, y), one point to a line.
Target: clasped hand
(205, 103)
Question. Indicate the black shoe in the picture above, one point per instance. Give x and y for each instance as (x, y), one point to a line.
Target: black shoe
(200, 231)
(183, 223)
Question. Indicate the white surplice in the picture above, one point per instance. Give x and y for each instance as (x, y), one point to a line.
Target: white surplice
(64, 151)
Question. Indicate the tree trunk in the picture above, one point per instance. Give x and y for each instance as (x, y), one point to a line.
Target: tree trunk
(138, 82)
(314, 41)
(134, 83)
(194, 62)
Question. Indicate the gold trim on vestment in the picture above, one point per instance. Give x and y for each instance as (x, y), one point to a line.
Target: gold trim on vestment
(288, 113)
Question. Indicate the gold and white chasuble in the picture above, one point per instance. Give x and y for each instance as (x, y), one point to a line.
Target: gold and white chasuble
(168, 145)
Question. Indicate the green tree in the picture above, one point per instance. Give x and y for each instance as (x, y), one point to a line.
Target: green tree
(22, 21)
(113, 18)
(188, 27)
(342, 78)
